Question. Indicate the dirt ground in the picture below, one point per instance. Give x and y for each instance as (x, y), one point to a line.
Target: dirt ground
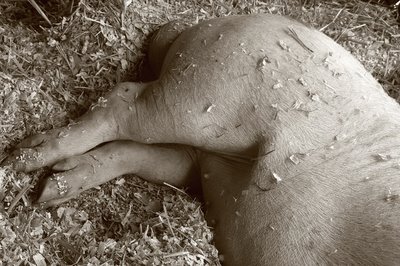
(51, 75)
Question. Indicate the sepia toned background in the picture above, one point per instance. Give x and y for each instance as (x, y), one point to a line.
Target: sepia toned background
(49, 75)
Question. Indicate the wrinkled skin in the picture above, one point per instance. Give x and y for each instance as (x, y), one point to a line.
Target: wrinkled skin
(294, 142)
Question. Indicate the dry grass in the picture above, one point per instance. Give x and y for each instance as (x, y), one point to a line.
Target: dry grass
(49, 76)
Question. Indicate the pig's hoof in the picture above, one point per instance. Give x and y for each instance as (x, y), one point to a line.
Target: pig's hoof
(34, 152)
(46, 149)
(79, 173)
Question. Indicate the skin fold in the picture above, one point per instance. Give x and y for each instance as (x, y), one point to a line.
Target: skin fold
(294, 143)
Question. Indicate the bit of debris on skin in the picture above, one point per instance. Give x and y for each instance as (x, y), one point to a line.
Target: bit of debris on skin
(187, 68)
(69, 126)
(243, 49)
(315, 97)
(120, 95)
(206, 176)
(210, 107)
(302, 81)
(295, 36)
(276, 177)
(340, 137)
(333, 252)
(62, 134)
(336, 74)
(271, 227)
(330, 147)
(220, 36)
(378, 225)
(277, 86)
(297, 105)
(262, 63)
(101, 102)
(332, 89)
(300, 106)
(391, 197)
(326, 61)
(276, 107)
(353, 140)
(284, 46)
(238, 214)
(277, 64)
(294, 159)
(25, 156)
(383, 158)
(62, 185)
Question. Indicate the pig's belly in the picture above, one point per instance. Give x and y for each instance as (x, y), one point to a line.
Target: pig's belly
(338, 205)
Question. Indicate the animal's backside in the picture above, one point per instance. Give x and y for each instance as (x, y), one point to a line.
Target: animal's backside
(296, 144)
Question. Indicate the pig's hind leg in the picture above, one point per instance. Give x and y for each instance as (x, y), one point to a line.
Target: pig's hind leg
(97, 126)
(74, 150)
(92, 152)
(158, 164)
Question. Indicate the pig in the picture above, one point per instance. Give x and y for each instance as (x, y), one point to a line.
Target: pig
(294, 144)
